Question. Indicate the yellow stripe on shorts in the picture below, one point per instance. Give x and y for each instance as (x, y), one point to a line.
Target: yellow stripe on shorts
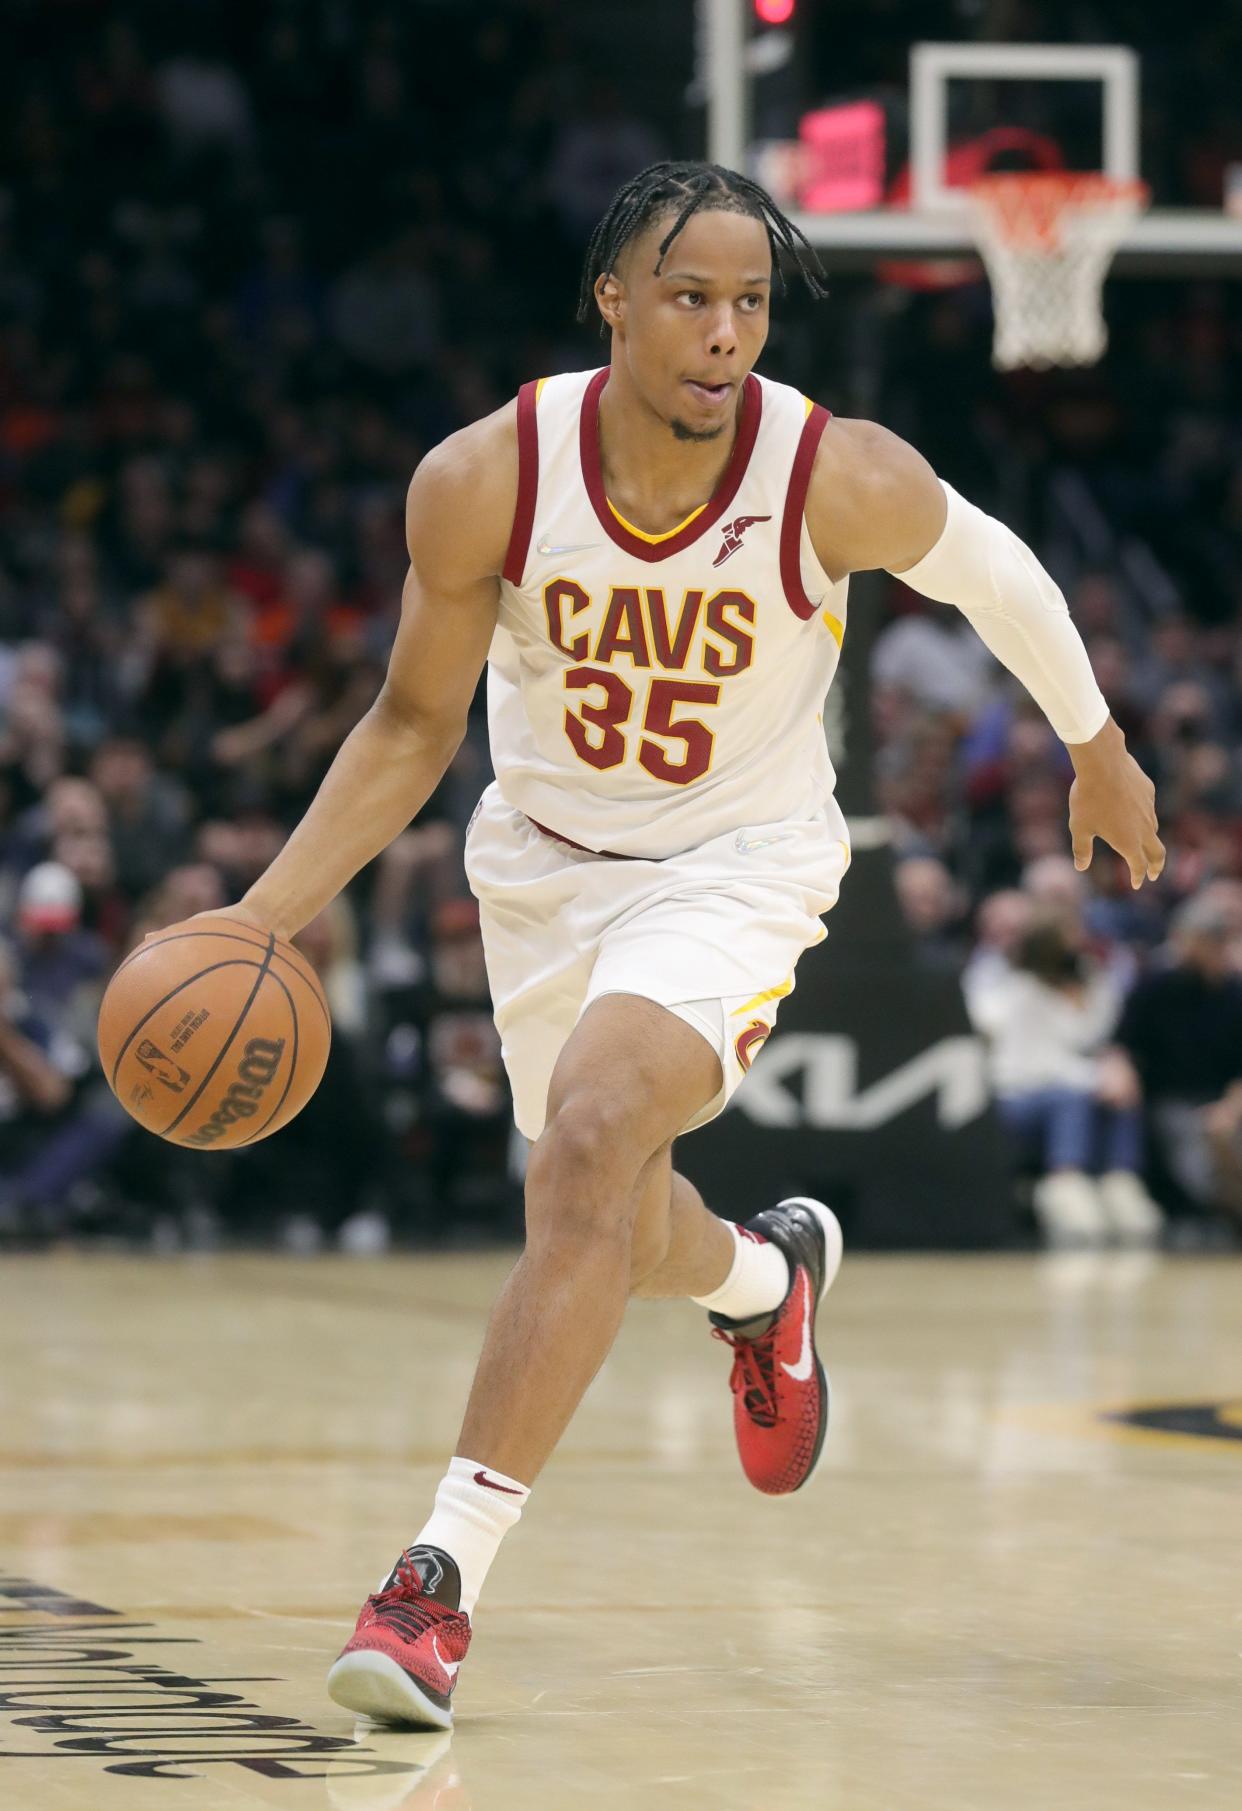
(772, 993)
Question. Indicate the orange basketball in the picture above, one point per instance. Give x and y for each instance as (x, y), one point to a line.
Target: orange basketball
(214, 1035)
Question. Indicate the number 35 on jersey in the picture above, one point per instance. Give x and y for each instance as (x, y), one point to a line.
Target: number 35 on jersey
(613, 713)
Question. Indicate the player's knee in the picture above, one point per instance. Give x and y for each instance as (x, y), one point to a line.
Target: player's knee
(589, 1134)
(582, 1170)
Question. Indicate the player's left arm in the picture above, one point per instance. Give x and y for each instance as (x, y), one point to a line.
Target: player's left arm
(876, 503)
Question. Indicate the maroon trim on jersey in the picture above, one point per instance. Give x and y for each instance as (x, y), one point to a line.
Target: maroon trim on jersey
(795, 509)
(528, 486)
(608, 854)
(721, 497)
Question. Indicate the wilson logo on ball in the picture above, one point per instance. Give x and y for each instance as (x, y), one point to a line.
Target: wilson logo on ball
(255, 1074)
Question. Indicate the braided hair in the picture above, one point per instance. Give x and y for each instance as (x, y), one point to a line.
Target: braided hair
(685, 189)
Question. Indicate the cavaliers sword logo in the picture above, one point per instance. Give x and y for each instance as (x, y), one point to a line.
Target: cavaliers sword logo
(747, 1042)
(733, 532)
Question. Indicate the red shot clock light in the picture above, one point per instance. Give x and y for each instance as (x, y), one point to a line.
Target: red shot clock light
(774, 12)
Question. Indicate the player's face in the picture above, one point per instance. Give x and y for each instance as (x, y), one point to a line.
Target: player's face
(690, 334)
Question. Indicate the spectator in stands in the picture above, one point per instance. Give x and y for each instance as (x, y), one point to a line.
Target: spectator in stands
(88, 855)
(57, 957)
(385, 309)
(326, 1175)
(467, 1101)
(190, 610)
(932, 656)
(1180, 1045)
(148, 812)
(1047, 1020)
(32, 1090)
(468, 1073)
(1056, 890)
(1002, 920)
(417, 870)
(196, 887)
(70, 808)
(87, 639)
(59, 1123)
(1175, 675)
(933, 905)
(33, 734)
(597, 148)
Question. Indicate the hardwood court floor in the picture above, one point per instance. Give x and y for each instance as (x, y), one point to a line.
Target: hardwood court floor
(990, 1598)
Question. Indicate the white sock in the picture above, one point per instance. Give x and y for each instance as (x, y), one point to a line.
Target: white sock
(470, 1519)
(758, 1278)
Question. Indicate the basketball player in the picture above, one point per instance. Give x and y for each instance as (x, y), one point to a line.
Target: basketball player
(653, 561)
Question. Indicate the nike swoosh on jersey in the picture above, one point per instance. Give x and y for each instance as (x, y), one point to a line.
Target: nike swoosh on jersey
(450, 1666)
(801, 1372)
(547, 548)
(747, 845)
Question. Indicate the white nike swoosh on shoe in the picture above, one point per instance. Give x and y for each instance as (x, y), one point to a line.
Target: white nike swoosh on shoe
(547, 548)
(450, 1666)
(801, 1372)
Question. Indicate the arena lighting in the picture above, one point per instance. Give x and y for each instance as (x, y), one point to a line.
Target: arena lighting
(774, 12)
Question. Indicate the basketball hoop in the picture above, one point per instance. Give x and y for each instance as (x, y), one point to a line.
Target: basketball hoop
(1047, 238)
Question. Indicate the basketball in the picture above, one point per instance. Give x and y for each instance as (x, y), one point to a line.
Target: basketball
(213, 1035)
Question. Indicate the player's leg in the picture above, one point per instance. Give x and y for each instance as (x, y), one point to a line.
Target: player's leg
(762, 1295)
(677, 1238)
(681, 1248)
(619, 1087)
(630, 1076)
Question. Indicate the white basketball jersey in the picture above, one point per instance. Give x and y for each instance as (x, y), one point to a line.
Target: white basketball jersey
(647, 693)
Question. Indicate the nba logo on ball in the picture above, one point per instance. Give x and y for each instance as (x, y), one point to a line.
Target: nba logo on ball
(247, 1017)
(162, 1067)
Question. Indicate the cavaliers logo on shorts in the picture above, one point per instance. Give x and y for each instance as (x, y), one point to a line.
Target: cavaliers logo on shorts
(748, 1043)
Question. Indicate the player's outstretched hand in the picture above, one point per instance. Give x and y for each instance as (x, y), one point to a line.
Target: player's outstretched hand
(1113, 798)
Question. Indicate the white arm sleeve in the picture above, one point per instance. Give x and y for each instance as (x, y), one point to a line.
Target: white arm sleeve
(1017, 610)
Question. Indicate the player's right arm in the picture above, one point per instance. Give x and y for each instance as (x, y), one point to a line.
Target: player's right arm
(875, 502)
(459, 514)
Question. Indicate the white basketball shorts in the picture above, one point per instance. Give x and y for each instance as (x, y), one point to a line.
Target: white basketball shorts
(712, 934)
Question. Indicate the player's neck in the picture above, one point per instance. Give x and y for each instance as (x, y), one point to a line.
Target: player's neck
(652, 477)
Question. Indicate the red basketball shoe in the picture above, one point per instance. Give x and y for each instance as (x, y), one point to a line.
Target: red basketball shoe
(780, 1389)
(400, 1664)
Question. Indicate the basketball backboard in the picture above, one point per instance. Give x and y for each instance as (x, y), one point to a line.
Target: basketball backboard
(935, 221)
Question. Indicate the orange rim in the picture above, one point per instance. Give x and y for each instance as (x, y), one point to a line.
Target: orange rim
(1026, 209)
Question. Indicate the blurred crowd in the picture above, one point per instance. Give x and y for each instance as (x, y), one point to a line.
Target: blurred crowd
(1127, 479)
(253, 262)
(1113, 1017)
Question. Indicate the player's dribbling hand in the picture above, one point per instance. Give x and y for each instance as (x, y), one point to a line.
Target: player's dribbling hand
(241, 913)
(1112, 798)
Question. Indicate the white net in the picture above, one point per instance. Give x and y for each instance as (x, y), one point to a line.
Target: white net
(1047, 240)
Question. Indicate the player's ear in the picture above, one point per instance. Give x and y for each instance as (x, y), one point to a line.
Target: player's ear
(610, 294)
